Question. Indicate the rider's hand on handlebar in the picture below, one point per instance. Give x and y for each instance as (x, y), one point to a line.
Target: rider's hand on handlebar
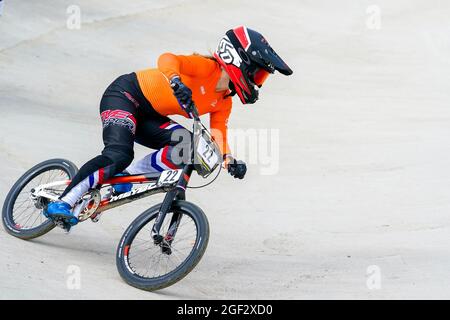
(181, 91)
(227, 159)
(236, 168)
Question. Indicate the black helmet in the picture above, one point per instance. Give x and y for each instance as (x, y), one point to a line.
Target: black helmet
(248, 59)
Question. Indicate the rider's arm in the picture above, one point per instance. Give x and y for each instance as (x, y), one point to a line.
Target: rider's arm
(193, 65)
(219, 123)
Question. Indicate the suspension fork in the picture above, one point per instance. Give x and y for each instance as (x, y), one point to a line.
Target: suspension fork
(177, 193)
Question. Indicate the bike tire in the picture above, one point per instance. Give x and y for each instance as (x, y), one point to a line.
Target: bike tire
(185, 267)
(7, 212)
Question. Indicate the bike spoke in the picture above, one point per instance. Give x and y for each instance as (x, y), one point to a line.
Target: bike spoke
(21, 212)
(143, 243)
(21, 204)
(25, 224)
(38, 216)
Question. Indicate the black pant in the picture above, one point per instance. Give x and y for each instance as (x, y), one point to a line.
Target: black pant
(127, 116)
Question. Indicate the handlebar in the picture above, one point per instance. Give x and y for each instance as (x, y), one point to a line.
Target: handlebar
(194, 111)
(202, 138)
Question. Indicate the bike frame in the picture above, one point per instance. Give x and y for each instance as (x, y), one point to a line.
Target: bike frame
(174, 192)
(151, 179)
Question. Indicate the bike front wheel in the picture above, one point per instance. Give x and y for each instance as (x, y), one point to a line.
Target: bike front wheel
(149, 266)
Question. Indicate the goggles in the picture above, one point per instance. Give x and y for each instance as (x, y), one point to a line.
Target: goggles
(258, 76)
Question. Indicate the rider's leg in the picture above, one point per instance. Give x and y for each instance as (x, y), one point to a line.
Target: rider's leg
(157, 161)
(119, 127)
(113, 160)
(95, 171)
(172, 140)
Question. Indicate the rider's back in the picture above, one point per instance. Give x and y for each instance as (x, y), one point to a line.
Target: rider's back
(199, 73)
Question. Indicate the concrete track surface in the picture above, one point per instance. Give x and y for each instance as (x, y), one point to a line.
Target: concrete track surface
(363, 185)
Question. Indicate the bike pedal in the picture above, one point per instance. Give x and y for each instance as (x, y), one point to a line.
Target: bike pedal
(63, 224)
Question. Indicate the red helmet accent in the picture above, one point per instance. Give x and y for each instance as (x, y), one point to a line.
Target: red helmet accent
(236, 77)
(242, 35)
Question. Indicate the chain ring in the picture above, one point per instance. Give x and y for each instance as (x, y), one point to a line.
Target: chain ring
(92, 205)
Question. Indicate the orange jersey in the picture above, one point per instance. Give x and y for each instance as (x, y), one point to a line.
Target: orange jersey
(198, 73)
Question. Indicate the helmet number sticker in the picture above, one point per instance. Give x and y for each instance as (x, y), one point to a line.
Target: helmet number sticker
(228, 53)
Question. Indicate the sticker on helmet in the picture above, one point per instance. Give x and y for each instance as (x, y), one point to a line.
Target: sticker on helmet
(228, 53)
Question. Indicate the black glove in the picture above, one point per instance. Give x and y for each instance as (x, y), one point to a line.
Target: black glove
(237, 168)
(183, 93)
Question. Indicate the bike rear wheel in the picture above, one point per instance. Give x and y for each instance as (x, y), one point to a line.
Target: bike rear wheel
(146, 265)
(21, 215)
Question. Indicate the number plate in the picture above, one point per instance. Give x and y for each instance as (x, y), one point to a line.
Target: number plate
(169, 176)
(207, 153)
